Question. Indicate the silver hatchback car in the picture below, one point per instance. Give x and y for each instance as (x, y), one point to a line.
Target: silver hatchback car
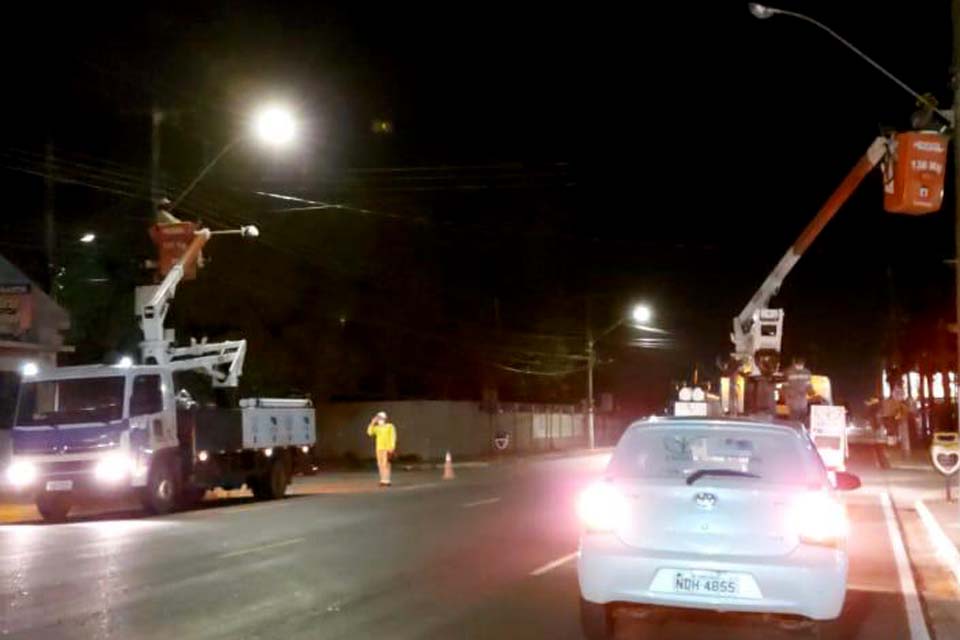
(724, 515)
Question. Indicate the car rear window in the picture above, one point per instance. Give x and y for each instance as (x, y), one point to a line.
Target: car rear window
(677, 452)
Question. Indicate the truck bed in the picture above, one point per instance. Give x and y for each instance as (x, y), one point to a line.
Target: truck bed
(254, 427)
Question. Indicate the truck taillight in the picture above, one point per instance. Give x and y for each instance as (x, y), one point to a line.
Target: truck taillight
(819, 519)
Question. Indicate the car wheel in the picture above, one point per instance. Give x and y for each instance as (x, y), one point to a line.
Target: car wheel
(53, 507)
(160, 494)
(596, 620)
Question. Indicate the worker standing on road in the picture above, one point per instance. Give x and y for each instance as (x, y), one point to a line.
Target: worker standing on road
(386, 443)
(797, 389)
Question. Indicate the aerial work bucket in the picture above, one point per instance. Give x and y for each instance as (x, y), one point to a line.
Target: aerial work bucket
(914, 171)
(172, 240)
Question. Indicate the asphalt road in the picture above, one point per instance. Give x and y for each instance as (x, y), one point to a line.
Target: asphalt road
(487, 555)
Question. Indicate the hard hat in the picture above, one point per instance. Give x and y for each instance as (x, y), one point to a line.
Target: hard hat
(382, 414)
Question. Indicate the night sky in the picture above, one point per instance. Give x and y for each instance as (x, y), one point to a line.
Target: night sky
(542, 161)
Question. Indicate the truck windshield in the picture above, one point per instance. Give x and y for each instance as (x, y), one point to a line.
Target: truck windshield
(70, 401)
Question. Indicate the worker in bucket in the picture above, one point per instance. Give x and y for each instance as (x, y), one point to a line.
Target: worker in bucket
(385, 435)
(798, 387)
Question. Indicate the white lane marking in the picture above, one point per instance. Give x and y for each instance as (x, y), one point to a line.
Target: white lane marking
(414, 487)
(228, 509)
(262, 547)
(479, 503)
(918, 627)
(550, 566)
(946, 550)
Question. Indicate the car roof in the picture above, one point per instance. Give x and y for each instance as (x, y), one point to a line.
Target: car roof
(746, 422)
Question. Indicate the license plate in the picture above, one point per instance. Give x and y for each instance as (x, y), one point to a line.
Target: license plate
(706, 583)
(59, 485)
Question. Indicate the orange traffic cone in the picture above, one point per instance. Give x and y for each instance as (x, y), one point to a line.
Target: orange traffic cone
(448, 468)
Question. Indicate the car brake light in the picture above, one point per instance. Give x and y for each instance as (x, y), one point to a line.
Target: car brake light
(601, 507)
(820, 519)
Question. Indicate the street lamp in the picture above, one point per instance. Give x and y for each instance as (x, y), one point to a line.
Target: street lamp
(88, 238)
(763, 12)
(273, 125)
(641, 314)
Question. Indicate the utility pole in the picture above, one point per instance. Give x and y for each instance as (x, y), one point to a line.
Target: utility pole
(955, 70)
(156, 121)
(591, 361)
(49, 222)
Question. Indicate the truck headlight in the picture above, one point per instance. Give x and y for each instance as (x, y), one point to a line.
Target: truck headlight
(21, 473)
(113, 467)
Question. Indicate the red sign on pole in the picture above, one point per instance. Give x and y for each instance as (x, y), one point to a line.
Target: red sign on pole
(172, 240)
(913, 175)
(16, 310)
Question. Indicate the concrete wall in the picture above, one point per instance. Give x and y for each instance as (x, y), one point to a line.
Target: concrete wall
(430, 428)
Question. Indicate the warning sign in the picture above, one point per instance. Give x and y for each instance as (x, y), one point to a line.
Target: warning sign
(828, 428)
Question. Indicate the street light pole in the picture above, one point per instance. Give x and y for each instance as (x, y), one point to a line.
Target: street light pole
(203, 172)
(762, 12)
(591, 362)
(955, 11)
(641, 314)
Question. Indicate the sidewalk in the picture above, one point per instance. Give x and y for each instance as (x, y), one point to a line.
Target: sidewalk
(920, 487)
(930, 528)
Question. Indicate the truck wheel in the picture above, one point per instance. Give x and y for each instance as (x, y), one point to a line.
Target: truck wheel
(596, 620)
(273, 484)
(255, 484)
(52, 507)
(160, 494)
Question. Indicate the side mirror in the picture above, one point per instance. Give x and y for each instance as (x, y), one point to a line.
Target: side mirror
(843, 481)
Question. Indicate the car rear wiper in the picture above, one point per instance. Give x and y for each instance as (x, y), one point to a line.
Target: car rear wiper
(696, 475)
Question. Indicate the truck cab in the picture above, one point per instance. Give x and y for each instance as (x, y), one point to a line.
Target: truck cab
(101, 430)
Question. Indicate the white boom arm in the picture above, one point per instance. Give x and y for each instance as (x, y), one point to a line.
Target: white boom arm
(222, 361)
(760, 328)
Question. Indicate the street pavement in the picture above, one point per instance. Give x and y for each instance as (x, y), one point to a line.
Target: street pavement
(489, 554)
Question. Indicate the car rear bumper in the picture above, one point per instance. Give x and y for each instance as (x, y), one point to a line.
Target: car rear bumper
(811, 581)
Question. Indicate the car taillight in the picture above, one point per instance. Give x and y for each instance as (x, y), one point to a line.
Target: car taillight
(601, 507)
(820, 519)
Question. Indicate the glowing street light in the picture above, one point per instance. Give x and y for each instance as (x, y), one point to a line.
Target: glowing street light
(275, 125)
(88, 237)
(29, 369)
(272, 125)
(642, 314)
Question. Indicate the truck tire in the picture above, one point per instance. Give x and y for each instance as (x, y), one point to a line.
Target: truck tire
(272, 485)
(53, 507)
(596, 620)
(160, 494)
